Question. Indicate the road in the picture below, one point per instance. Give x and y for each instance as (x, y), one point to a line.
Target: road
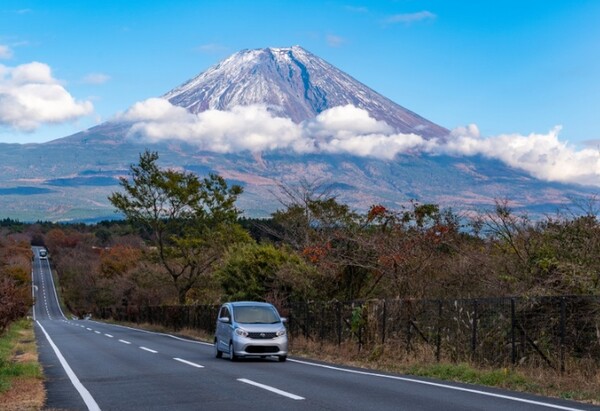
(92, 365)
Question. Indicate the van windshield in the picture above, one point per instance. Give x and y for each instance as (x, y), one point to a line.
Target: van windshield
(255, 315)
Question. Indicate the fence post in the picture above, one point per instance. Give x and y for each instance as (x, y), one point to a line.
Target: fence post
(383, 324)
(513, 325)
(339, 321)
(474, 331)
(306, 320)
(438, 340)
(322, 321)
(563, 310)
(408, 329)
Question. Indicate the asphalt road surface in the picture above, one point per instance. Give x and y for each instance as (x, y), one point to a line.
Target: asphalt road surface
(92, 365)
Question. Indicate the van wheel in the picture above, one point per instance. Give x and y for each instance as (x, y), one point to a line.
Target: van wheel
(218, 353)
(232, 355)
(282, 358)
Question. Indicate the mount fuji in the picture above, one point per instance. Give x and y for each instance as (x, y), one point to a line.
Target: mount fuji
(293, 83)
(262, 118)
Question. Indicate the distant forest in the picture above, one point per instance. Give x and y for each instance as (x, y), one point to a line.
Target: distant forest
(184, 242)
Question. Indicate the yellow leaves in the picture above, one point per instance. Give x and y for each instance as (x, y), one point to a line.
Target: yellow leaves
(118, 260)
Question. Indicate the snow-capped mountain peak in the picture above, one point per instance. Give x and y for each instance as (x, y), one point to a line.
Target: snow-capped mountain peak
(293, 83)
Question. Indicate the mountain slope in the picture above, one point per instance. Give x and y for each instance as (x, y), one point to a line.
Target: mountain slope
(295, 84)
(69, 179)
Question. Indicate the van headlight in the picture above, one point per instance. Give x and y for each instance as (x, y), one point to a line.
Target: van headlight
(281, 333)
(241, 332)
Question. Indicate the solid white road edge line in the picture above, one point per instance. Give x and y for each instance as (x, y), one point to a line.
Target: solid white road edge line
(272, 389)
(85, 394)
(193, 364)
(434, 384)
(148, 349)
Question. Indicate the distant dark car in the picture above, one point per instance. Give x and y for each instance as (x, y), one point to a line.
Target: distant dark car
(250, 328)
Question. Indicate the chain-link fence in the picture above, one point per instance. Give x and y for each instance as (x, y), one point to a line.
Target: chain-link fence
(553, 331)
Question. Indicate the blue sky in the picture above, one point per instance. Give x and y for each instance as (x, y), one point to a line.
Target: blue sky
(510, 67)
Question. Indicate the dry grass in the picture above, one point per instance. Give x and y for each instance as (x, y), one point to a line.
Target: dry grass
(21, 382)
(581, 383)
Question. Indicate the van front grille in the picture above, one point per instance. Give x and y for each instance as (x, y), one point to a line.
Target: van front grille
(262, 336)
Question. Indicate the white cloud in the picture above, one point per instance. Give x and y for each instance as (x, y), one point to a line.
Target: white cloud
(5, 52)
(30, 97)
(350, 130)
(211, 48)
(96, 78)
(251, 128)
(335, 41)
(408, 18)
(541, 155)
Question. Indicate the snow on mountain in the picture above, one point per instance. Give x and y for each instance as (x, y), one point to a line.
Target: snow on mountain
(293, 83)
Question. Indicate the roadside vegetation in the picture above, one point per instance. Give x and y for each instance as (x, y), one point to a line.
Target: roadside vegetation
(184, 242)
(21, 382)
(21, 385)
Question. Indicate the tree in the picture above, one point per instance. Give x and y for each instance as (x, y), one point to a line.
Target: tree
(15, 285)
(253, 271)
(191, 221)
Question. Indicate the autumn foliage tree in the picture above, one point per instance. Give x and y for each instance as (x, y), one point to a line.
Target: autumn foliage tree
(191, 220)
(15, 284)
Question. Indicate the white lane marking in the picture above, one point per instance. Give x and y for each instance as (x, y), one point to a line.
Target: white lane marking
(54, 288)
(89, 329)
(272, 389)
(124, 342)
(193, 364)
(157, 333)
(435, 384)
(148, 349)
(97, 332)
(85, 394)
(108, 335)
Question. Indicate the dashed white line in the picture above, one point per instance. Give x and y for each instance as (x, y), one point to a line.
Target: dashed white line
(97, 332)
(108, 335)
(148, 349)
(124, 342)
(89, 329)
(193, 364)
(272, 389)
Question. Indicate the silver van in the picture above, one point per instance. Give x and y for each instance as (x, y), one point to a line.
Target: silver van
(250, 328)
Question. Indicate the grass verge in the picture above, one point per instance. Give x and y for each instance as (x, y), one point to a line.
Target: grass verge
(21, 381)
(579, 384)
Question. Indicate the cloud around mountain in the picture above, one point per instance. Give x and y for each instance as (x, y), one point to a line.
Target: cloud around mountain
(350, 130)
(30, 96)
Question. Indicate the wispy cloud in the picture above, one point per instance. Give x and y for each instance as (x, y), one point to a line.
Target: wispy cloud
(211, 48)
(408, 18)
(96, 78)
(5, 52)
(350, 130)
(334, 41)
(30, 96)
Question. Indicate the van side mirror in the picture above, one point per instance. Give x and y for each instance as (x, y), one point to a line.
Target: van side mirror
(224, 320)
(284, 320)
